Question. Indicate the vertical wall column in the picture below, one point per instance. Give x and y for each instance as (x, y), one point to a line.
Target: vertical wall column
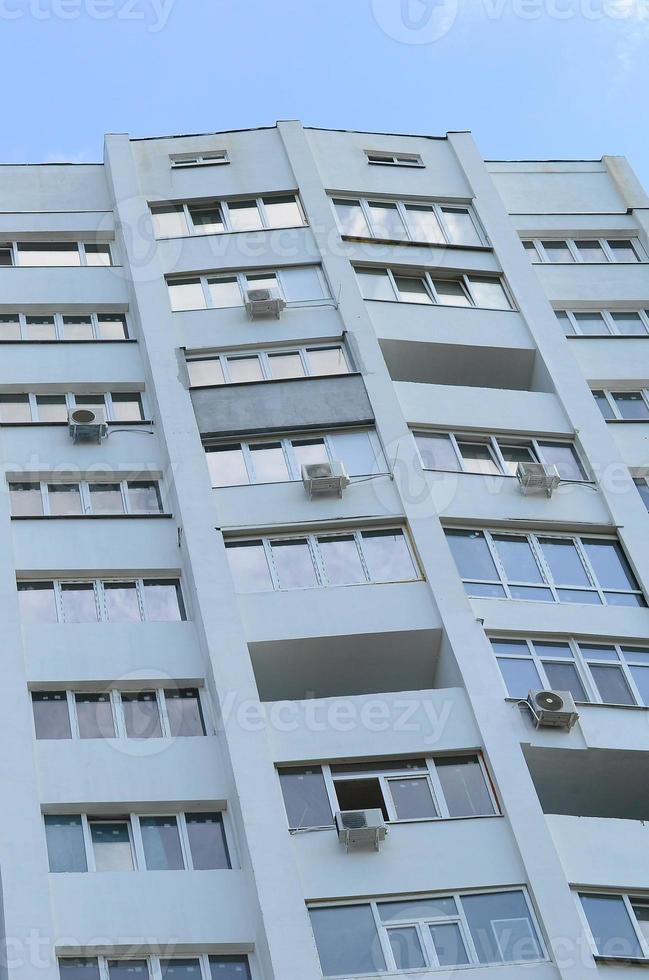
(282, 930)
(472, 650)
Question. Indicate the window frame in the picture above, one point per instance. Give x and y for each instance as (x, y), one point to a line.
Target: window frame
(80, 244)
(422, 924)
(222, 204)
(209, 158)
(547, 582)
(393, 159)
(572, 244)
(99, 594)
(627, 899)
(463, 280)
(264, 354)
(70, 398)
(85, 497)
(59, 327)
(609, 321)
(241, 278)
(437, 208)
(609, 395)
(153, 962)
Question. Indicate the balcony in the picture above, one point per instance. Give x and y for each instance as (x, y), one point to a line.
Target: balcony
(29, 366)
(231, 327)
(45, 289)
(449, 325)
(602, 851)
(263, 249)
(458, 365)
(610, 359)
(595, 284)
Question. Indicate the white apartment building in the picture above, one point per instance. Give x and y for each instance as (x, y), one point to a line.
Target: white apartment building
(204, 664)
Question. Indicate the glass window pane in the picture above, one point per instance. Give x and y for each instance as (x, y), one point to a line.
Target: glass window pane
(302, 284)
(122, 603)
(78, 968)
(609, 564)
(629, 324)
(513, 455)
(207, 841)
(127, 407)
(51, 715)
(95, 715)
(48, 253)
(305, 797)
(162, 601)
(285, 366)
(341, 560)
(111, 843)
(106, 498)
(184, 712)
(65, 847)
(243, 369)
(623, 251)
(169, 220)
(141, 715)
(357, 453)
(611, 926)
(229, 968)
(224, 292)
(375, 284)
(326, 360)
(78, 328)
(206, 218)
(128, 970)
(460, 227)
(611, 684)
(40, 328)
(501, 927)
(161, 843)
(386, 220)
(249, 566)
(268, 462)
(186, 294)
(180, 969)
(478, 458)
(641, 677)
(351, 218)
(564, 677)
(112, 326)
(10, 326)
(144, 497)
(79, 602)
(517, 558)
(472, 555)
(449, 945)
(489, 294)
(387, 556)
(261, 280)
(226, 465)
(93, 403)
(244, 215)
(590, 251)
(406, 948)
(37, 602)
(283, 212)
(451, 293)
(294, 564)
(531, 251)
(412, 797)
(564, 562)
(557, 251)
(98, 254)
(52, 408)
(347, 940)
(565, 323)
(26, 499)
(205, 371)
(308, 451)
(423, 224)
(419, 908)
(464, 787)
(412, 289)
(15, 408)
(565, 458)
(603, 405)
(631, 405)
(520, 676)
(437, 452)
(592, 324)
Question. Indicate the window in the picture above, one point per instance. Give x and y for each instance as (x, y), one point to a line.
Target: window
(198, 967)
(409, 789)
(435, 931)
(623, 406)
(62, 254)
(42, 499)
(266, 365)
(495, 455)
(487, 292)
(126, 407)
(598, 323)
(297, 284)
(595, 250)
(51, 716)
(544, 568)
(353, 557)
(431, 223)
(214, 217)
(211, 158)
(148, 842)
(236, 464)
(393, 159)
(642, 483)
(93, 600)
(618, 924)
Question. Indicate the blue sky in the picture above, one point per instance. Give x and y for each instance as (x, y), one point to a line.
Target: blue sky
(530, 78)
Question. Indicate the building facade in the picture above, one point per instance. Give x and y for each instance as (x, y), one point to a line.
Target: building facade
(204, 663)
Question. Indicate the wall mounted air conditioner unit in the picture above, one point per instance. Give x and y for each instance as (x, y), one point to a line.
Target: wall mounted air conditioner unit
(324, 478)
(360, 828)
(264, 302)
(87, 426)
(553, 709)
(538, 477)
